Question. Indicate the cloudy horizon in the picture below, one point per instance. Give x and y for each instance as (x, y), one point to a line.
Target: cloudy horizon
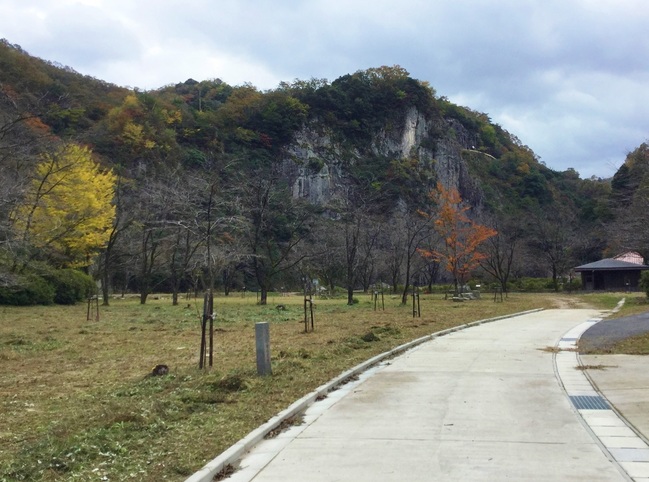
(567, 77)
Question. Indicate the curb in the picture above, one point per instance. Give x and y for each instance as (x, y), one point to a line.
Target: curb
(232, 455)
(627, 449)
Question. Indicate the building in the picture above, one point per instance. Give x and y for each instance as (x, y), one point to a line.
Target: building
(631, 257)
(621, 273)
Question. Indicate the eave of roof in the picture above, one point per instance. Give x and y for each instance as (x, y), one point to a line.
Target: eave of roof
(610, 264)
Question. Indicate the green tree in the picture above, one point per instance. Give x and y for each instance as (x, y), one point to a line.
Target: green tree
(143, 128)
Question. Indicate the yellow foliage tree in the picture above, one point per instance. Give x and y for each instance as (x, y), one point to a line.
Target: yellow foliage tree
(67, 210)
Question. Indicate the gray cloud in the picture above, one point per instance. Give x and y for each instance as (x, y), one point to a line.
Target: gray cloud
(568, 77)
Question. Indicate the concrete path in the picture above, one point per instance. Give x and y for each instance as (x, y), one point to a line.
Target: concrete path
(485, 403)
(619, 438)
(624, 382)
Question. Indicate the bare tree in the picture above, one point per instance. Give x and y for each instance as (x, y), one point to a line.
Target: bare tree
(277, 227)
(152, 214)
(628, 231)
(393, 253)
(552, 237)
(416, 231)
(502, 250)
(23, 139)
(113, 256)
(209, 226)
(368, 268)
(326, 253)
(430, 268)
(359, 241)
(358, 235)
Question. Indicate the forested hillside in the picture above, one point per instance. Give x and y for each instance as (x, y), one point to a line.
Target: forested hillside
(205, 184)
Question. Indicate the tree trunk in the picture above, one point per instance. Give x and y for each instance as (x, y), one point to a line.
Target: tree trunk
(394, 285)
(350, 277)
(350, 295)
(263, 300)
(406, 285)
(404, 295)
(175, 287)
(332, 288)
(503, 285)
(226, 277)
(105, 288)
(555, 280)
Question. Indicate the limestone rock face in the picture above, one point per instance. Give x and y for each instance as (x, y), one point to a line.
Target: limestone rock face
(405, 140)
(316, 163)
(315, 167)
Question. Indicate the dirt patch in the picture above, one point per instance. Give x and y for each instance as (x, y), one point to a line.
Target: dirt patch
(563, 303)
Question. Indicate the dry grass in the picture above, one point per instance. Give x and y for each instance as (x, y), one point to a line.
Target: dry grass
(592, 367)
(77, 404)
(635, 303)
(634, 345)
(555, 349)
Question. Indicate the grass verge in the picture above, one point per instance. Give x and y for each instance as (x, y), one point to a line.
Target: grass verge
(77, 403)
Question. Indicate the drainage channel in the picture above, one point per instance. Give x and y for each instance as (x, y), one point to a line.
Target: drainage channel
(612, 432)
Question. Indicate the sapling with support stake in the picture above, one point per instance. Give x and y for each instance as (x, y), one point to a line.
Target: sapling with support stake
(208, 315)
(93, 308)
(308, 313)
(416, 307)
(308, 307)
(376, 294)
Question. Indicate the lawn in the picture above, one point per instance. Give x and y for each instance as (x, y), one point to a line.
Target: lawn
(635, 303)
(77, 403)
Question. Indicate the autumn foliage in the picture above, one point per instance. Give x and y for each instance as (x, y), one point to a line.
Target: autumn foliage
(460, 236)
(68, 208)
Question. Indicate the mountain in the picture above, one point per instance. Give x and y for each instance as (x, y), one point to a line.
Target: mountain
(376, 139)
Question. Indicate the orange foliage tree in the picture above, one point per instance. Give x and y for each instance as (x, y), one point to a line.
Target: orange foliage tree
(460, 236)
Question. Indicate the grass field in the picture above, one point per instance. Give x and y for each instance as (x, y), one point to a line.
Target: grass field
(634, 345)
(77, 403)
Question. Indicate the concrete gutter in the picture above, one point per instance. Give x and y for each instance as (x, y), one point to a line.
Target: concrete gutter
(235, 453)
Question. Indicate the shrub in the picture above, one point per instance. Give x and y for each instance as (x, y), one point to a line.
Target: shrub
(441, 288)
(71, 286)
(644, 282)
(572, 285)
(27, 290)
(532, 285)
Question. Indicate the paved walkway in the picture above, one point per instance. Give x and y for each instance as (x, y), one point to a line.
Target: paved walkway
(492, 402)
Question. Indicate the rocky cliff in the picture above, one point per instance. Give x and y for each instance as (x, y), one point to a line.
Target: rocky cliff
(318, 161)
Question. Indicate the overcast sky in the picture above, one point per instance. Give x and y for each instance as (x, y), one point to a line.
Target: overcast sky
(569, 78)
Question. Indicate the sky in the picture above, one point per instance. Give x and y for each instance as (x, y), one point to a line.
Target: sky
(569, 78)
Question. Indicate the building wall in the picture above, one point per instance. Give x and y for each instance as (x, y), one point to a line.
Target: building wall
(625, 280)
